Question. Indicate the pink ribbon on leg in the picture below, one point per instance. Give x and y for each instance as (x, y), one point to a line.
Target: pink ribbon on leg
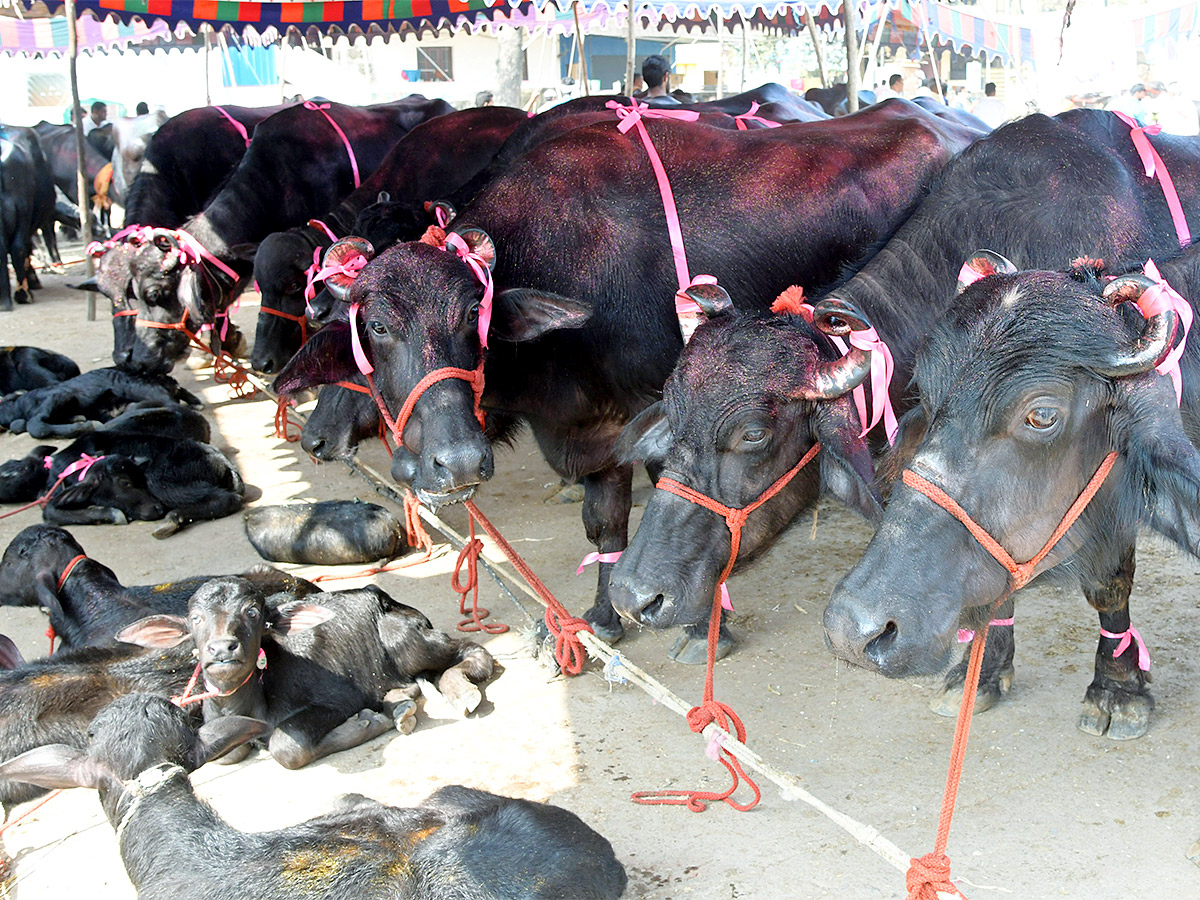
(598, 558)
(965, 635)
(726, 603)
(1130, 637)
(1154, 167)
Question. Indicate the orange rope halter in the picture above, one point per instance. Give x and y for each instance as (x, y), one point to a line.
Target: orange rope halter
(225, 370)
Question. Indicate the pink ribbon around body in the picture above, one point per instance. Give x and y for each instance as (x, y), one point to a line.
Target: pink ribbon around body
(80, 465)
(749, 116)
(965, 635)
(1156, 168)
(321, 107)
(882, 369)
(598, 558)
(1153, 301)
(241, 129)
(1130, 637)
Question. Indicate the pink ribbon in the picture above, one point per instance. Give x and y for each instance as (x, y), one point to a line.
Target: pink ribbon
(349, 268)
(1152, 302)
(687, 310)
(1130, 637)
(310, 280)
(190, 251)
(749, 116)
(1156, 168)
(321, 107)
(133, 234)
(321, 226)
(484, 274)
(965, 635)
(882, 368)
(726, 603)
(598, 558)
(356, 347)
(80, 465)
(241, 129)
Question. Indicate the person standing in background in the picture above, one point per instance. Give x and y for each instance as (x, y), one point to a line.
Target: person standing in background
(991, 109)
(97, 118)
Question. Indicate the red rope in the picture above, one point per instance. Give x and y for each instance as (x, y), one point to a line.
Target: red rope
(283, 421)
(40, 501)
(301, 320)
(225, 370)
(475, 616)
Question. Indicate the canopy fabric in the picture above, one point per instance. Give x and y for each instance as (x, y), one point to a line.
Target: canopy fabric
(50, 37)
(1180, 22)
(969, 33)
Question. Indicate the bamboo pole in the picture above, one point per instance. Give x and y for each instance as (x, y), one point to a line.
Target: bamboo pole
(850, 17)
(207, 77)
(811, 25)
(587, 91)
(720, 55)
(933, 60)
(745, 53)
(630, 46)
(81, 179)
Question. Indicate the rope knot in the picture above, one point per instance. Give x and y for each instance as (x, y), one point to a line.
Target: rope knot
(928, 875)
(568, 649)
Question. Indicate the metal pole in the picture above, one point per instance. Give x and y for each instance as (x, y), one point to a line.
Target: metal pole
(630, 47)
(850, 16)
(587, 91)
(811, 25)
(720, 55)
(207, 77)
(745, 53)
(81, 179)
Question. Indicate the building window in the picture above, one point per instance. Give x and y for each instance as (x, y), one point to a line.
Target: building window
(49, 90)
(434, 64)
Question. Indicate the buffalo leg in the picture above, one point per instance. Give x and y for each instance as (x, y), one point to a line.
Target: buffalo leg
(318, 731)
(87, 515)
(1117, 702)
(607, 499)
(995, 674)
(217, 505)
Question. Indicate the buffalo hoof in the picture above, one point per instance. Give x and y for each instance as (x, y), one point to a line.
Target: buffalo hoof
(462, 696)
(166, 529)
(404, 716)
(116, 517)
(948, 700)
(1119, 715)
(610, 633)
(236, 755)
(21, 295)
(692, 647)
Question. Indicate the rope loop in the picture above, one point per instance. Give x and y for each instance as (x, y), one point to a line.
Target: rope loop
(469, 556)
(283, 421)
(928, 875)
(568, 649)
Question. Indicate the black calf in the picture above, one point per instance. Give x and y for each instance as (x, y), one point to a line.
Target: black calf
(27, 368)
(341, 419)
(323, 689)
(335, 532)
(81, 404)
(460, 844)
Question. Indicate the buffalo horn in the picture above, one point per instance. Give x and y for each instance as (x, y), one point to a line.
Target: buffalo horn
(338, 283)
(836, 378)
(1156, 339)
(983, 263)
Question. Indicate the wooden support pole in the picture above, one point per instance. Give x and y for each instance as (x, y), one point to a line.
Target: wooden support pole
(630, 47)
(850, 16)
(811, 25)
(583, 63)
(81, 179)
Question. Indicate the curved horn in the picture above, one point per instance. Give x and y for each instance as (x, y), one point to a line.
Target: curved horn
(341, 254)
(981, 264)
(163, 236)
(1156, 339)
(838, 377)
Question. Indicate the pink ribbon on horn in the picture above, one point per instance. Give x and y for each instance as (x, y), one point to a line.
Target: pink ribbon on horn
(749, 116)
(1130, 637)
(1152, 302)
(1154, 167)
(483, 273)
(321, 107)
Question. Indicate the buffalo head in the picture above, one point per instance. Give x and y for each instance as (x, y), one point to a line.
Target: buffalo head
(280, 266)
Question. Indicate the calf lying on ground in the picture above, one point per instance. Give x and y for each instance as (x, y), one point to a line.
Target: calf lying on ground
(459, 844)
(27, 368)
(147, 417)
(82, 404)
(322, 689)
(334, 532)
(127, 476)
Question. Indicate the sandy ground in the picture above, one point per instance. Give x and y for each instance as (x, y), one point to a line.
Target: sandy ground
(1044, 810)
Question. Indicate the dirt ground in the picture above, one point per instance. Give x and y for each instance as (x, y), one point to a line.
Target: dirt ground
(1044, 810)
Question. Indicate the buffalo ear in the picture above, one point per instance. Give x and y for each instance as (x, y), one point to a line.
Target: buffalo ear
(156, 632)
(244, 252)
(75, 496)
(647, 438)
(52, 766)
(296, 616)
(216, 738)
(523, 314)
(10, 656)
(46, 590)
(847, 470)
(325, 359)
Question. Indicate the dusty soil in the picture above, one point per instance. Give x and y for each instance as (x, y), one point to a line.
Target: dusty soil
(1044, 810)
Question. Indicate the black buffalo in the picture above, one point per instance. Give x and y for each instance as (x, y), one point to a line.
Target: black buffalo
(1039, 165)
(1027, 383)
(583, 330)
(18, 202)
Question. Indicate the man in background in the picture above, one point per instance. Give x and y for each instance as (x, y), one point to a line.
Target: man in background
(656, 71)
(97, 118)
(991, 108)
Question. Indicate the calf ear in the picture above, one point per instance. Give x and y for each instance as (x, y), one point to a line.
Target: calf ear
(46, 590)
(847, 471)
(52, 766)
(325, 359)
(523, 314)
(157, 632)
(296, 616)
(216, 738)
(244, 252)
(10, 656)
(75, 495)
(647, 438)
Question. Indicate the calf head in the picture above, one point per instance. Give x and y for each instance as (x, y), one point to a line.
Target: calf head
(341, 418)
(228, 620)
(751, 394)
(32, 564)
(280, 265)
(1027, 384)
(114, 482)
(156, 276)
(418, 310)
(127, 737)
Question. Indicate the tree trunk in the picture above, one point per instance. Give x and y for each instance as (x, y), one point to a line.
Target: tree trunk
(508, 66)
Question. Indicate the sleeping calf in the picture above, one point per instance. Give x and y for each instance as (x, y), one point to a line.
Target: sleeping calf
(459, 844)
(45, 566)
(129, 476)
(147, 417)
(322, 689)
(27, 368)
(83, 403)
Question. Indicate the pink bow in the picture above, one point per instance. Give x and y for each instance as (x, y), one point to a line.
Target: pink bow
(1153, 301)
(81, 465)
(310, 279)
(191, 251)
(633, 114)
(132, 234)
(1126, 638)
(241, 129)
(350, 268)
(965, 635)
(882, 369)
(598, 558)
(1156, 168)
(321, 107)
(480, 268)
(749, 115)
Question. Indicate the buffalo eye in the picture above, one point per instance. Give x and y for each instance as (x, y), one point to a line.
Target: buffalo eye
(473, 313)
(754, 436)
(252, 614)
(1042, 417)
(377, 327)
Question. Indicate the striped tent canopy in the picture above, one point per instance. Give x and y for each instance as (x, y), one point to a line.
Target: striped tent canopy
(50, 36)
(1175, 23)
(966, 32)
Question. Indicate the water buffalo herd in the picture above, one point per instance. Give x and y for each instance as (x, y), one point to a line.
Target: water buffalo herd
(1011, 304)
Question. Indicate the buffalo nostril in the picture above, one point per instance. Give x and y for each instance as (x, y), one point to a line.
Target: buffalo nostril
(651, 610)
(268, 366)
(880, 646)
